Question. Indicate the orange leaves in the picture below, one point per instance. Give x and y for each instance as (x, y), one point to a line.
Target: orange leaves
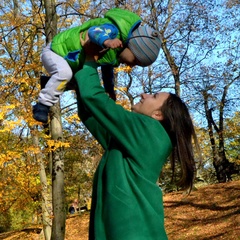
(123, 68)
(73, 119)
(54, 145)
(7, 126)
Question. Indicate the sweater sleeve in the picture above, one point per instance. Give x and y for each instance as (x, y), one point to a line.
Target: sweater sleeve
(99, 34)
(90, 122)
(126, 128)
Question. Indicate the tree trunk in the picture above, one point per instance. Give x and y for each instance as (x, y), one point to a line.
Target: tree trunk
(170, 59)
(174, 68)
(220, 162)
(58, 201)
(59, 211)
(46, 194)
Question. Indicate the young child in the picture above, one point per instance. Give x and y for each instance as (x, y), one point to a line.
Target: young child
(122, 40)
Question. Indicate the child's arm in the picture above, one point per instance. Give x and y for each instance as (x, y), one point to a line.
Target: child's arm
(105, 36)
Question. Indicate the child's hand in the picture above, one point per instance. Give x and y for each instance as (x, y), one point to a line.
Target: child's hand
(113, 43)
(91, 50)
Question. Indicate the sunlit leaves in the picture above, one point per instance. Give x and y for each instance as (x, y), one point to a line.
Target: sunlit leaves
(53, 144)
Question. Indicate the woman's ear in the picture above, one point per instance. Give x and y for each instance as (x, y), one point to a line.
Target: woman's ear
(157, 114)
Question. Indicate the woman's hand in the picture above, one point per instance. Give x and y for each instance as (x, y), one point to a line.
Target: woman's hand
(92, 51)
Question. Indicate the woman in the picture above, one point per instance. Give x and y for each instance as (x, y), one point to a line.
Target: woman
(126, 202)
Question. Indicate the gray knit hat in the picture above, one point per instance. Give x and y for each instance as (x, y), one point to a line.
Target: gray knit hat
(145, 44)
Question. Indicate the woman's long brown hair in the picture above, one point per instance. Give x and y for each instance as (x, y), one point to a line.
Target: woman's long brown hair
(179, 126)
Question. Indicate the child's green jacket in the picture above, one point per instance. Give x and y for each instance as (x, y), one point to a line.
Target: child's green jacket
(67, 43)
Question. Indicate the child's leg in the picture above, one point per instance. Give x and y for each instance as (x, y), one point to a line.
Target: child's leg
(61, 74)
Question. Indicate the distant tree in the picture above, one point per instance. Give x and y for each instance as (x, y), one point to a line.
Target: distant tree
(55, 127)
(217, 101)
(19, 65)
(232, 134)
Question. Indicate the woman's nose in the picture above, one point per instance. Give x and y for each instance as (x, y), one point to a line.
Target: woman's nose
(144, 95)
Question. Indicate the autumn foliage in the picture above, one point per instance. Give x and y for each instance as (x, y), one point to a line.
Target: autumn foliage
(199, 60)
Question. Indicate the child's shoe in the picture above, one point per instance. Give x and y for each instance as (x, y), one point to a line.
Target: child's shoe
(40, 112)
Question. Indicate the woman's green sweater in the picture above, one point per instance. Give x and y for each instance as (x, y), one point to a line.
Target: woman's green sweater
(126, 202)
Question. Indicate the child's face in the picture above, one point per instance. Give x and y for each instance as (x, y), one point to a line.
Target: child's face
(127, 57)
